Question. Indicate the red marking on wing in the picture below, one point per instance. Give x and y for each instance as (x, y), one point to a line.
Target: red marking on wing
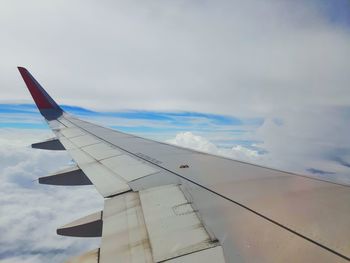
(40, 99)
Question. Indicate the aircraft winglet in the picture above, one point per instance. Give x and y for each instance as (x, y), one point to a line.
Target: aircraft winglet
(47, 106)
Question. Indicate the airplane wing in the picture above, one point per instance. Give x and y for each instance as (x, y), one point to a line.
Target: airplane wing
(165, 203)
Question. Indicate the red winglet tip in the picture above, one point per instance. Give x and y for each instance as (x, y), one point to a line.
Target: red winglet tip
(38, 94)
(21, 69)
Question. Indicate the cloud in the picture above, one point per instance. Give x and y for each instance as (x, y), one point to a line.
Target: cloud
(18, 138)
(223, 57)
(189, 140)
(308, 138)
(31, 213)
(317, 171)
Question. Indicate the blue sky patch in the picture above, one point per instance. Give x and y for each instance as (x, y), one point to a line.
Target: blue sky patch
(223, 130)
(22, 125)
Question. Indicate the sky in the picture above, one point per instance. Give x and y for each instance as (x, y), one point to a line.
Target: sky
(260, 81)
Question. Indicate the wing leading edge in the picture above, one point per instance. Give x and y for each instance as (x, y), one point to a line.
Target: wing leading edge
(213, 208)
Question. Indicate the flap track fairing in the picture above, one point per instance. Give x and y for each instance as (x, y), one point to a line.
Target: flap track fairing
(52, 144)
(69, 177)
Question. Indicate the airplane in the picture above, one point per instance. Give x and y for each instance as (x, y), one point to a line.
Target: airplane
(164, 203)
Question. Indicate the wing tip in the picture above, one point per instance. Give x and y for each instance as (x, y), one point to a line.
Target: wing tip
(41, 98)
(22, 70)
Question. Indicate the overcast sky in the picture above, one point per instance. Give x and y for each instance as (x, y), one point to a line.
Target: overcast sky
(231, 57)
(264, 81)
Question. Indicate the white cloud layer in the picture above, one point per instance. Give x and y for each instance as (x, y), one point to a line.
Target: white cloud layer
(231, 57)
(31, 213)
(199, 143)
